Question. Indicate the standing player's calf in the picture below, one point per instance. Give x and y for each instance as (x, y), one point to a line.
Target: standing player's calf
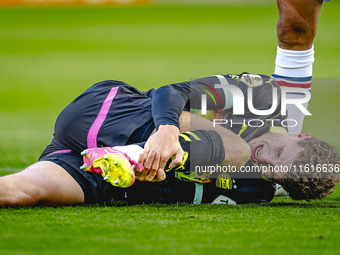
(296, 30)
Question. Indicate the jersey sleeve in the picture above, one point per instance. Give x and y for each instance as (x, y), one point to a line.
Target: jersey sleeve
(170, 100)
(249, 125)
(262, 99)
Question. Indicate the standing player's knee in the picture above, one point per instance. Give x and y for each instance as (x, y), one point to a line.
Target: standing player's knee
(297, 23)
(294, 32)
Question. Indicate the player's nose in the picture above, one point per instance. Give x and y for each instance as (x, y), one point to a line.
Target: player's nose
(268, 157)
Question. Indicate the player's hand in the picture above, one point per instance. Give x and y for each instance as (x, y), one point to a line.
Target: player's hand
(158, 150)
(153, 174)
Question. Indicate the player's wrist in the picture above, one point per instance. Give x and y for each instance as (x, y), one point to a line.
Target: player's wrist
(169, 129)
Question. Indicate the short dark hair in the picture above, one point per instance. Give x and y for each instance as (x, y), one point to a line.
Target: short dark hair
(323, 162)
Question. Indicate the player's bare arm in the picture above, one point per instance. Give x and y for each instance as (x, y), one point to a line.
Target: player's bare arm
(236, 155)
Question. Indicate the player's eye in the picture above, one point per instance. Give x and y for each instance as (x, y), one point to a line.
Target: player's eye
(279, 152)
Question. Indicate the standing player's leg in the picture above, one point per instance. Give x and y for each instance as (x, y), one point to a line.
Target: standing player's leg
(43, 183)
(296, 30)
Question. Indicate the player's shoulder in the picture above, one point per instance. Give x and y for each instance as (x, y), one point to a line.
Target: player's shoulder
(246, 80)
(257, 81)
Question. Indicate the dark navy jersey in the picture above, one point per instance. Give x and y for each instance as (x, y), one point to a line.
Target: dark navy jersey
(240, 187)
(109, 113)
(173, 98)
(113, 113)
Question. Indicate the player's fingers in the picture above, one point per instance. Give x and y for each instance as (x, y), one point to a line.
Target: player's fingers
(147, 164)
(140, 161)
(153, 170)
(136, 168)
(141, 158)
(178, 159)
(139, 174)
(137, 171)
(164, 159)
(144, 154)
(160, 175)
(149, 159)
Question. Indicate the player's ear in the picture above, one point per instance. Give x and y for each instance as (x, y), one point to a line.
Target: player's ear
(302, 136)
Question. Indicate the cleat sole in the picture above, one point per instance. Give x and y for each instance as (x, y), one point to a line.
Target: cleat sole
(115, 170)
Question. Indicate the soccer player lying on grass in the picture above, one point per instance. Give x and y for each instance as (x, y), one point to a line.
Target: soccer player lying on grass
(112, 113)
(267, 147)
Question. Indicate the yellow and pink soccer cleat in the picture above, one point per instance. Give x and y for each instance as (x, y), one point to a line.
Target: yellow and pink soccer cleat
(115, 166)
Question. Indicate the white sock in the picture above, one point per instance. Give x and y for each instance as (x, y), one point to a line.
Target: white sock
(294, 69)
(131, 150)
(293, 63)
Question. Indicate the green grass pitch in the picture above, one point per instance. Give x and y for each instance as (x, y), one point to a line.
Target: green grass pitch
(50, 55)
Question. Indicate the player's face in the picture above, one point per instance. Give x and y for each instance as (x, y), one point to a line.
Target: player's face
(277, 150)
